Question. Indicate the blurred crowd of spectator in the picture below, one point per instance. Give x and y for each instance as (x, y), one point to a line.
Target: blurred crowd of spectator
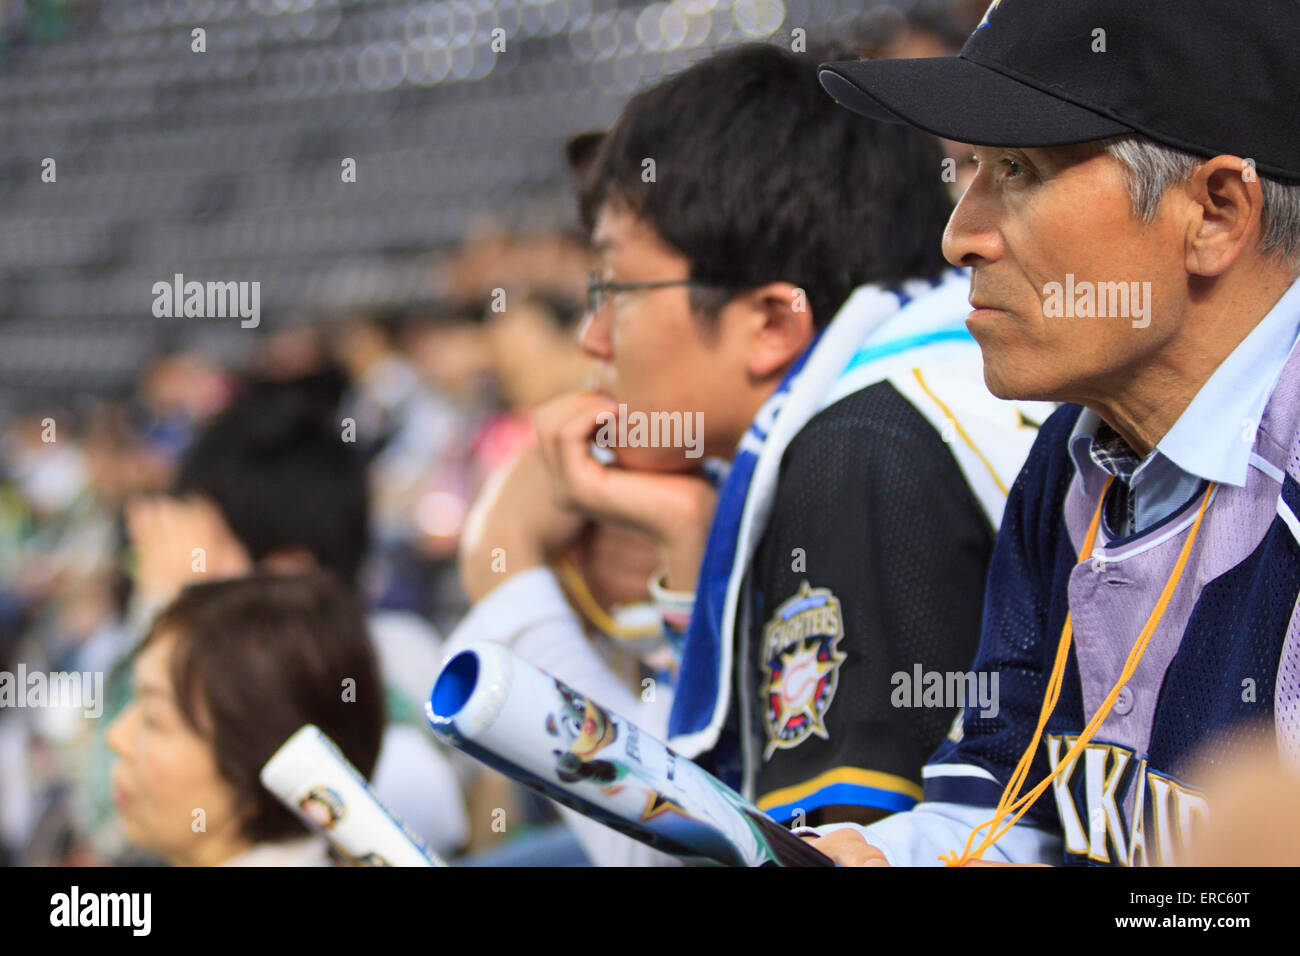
(102, 503)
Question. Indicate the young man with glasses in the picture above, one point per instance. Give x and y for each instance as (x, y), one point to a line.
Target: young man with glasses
(771, 269)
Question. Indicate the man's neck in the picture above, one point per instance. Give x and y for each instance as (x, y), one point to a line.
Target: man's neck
(1143, 401)
(747, 409)
(1144, 408)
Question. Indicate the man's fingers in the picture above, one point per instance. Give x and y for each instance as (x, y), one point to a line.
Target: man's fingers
(848, 848)
(552, 417)
(564, 430)
(583, 480)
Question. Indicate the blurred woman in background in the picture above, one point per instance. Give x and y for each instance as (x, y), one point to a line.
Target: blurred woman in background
(228, 671)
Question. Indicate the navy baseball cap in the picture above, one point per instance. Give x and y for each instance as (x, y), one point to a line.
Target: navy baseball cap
(1206, 76)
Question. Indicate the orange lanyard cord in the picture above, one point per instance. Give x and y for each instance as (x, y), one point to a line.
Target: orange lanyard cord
(1012, 789)
(1009, 804)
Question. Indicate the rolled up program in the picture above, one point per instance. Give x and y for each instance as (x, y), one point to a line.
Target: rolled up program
(312, 777)
(519, 720)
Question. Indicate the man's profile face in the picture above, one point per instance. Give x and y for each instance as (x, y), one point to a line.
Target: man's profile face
(1032, 218)
(654, 354)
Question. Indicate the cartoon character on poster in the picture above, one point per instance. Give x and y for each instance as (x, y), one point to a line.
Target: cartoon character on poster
(587, 730)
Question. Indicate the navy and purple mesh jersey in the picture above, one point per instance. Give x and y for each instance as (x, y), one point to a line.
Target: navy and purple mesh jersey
(1222, 667)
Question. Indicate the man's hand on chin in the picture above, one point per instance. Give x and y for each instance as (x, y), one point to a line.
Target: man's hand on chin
(516, 519)
(672, 509)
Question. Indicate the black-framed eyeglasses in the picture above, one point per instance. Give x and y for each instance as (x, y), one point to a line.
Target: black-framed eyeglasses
(598, 290)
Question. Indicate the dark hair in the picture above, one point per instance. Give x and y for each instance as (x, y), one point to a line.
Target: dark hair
(282, 477)
(581, 149)
(761, 177)
(258, 657)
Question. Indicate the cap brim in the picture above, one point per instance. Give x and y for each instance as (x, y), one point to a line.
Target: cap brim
(959, 99)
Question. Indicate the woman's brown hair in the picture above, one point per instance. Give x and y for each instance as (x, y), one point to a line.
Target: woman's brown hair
(255, 659)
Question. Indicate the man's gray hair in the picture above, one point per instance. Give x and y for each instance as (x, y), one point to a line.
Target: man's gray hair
(1153, 167)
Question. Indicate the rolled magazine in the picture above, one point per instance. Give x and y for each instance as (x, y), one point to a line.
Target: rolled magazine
(310, 776)
(519, 720)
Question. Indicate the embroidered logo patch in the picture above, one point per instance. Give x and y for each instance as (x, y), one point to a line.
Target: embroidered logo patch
(801, 662)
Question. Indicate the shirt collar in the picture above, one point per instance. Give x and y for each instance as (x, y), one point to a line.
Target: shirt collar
(1214, 436)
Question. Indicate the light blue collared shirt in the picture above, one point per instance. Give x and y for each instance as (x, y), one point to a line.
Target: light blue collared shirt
(1213, 437)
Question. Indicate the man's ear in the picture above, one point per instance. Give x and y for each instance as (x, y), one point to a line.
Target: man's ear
(1227, 205)
(782, 327)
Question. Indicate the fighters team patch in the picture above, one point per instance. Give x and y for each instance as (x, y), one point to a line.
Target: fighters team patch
(801, 663)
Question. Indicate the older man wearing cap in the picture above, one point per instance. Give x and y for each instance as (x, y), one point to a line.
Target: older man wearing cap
(1133, 235)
